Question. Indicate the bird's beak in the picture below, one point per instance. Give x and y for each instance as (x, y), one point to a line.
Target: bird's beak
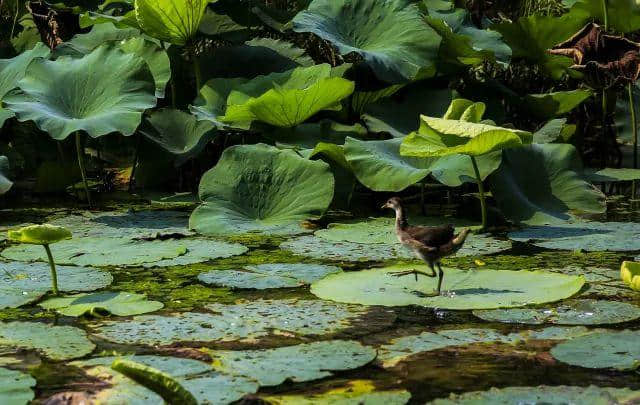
(385, 205)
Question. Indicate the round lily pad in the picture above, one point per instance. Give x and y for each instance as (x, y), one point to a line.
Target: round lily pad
(15, 387)
(297, 363)
(619, 350)
(246, 321)
(472, 289)
(274, 275)
(44, 234)
(354, 392)
(55, 342)
(21, 283)
(116, 303)
(575, 312)
(318, 248)
(588, 236)
(557, 395)
(200, 251)
(601, 282)
(206, 385)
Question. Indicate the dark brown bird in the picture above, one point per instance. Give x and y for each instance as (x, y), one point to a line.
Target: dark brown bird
(429, 243)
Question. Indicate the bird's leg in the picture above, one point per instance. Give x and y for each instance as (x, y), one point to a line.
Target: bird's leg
(414, 272)
(440, 277)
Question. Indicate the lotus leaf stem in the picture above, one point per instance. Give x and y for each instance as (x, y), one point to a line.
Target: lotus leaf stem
(83, 173)
(483, 202)
(634, 129)
(136, 158)
(54, 274)
(605, 13)
(196, 70)
(15, 19)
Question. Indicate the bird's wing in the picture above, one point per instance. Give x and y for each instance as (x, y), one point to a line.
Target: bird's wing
(433, 236)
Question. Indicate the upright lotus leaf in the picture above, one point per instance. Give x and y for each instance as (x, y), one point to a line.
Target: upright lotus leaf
(391, 36)
(5, 183)
(54, 342)
(45, 234)
(116, 303)
(259, 188)
(211, 102)
(13, 70)
(116, 89)
(554, 130)
(178, 132)
(608, 349)
(548, 197)
(551, 105)
(174, 21)
(622, 15)
(15, 387)
(309, 135)
(353, 392)
(630, 274)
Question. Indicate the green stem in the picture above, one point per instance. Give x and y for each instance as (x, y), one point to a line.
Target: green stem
(83, 173)
(136, 157)
(172, 82)
(634, 128)
(15, 19)
(605, 111)
(605, 12)
(54, 274)
(196, 71)
(483, 202)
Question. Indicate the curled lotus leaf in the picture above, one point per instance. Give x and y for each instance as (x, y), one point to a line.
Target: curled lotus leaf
(174, 21)
(44, 234)
(607, 349)
(630, 274)
(55, 342)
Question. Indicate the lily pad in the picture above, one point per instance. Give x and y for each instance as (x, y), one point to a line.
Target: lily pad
(201, 250)
(261, 189)
(475, 289)
(245, 321)
(556, 395)
(588, 236)
(575, 312)
(322, 249)
(362, 392)
(15, 387)
(116, 303)
(619, 350)
(264, 276)
(55, 342)
(305, 362)
(206, 385)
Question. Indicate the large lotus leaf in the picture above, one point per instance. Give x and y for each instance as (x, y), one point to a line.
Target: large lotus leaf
(275, 275)
(601, 282)
(322, 249)
(623, 15)
(575, 312)
(391, 36)
(261, 189)
(200, 251)
(550, 105)
(82, 44)
(54, 342)
(207, 386)
(557, 188)
(354, 392)
(588, 236)
(211, 102)
(174, 21)
(246, 321)
(15, 387)
(179, 132)
(548, 395)
(104, 91)
(611, 175)
(554, 130)
(13, 70)
(22, 283)
(619, 350)
(530, 37)
(297, 363)
(481, 289)
(309, 135)
(116, 303)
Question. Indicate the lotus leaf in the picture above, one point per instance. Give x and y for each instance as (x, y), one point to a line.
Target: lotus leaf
(354, 392)
(309, 135)
(479, 289)
(179, 132)
(619, 350)
(601, 282)
(575, 312)
(261, 189)
(556, 129)
(245, 321)
(15, 387)
(200, 251)
(623, 15)
(264, 276)
(547, 197)
(588, 236)
(44, 234)
(54, 342)
(305, 362)
(117, 88)
(13, 70)
(322, 249)
(550, 105)
(116, 303)
(171, 21)
(556, 395)
(391, 36)
(207, 386)
(611, 175)
(630, 274)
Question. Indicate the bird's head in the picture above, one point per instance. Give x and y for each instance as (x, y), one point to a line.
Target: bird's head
(394, 203)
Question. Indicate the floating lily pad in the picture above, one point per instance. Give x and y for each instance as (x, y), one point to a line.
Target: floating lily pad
(575, 312)
(601, 282)
(55, 342)
(619, 350)
(588, 236)
(200, 251)
(15, 387)
(474, 289)
(297, 363)
(557, 395)
(116, 303)
(263, 276)
(318, 248)
(21, 283)
(245, 321)
(356, 392)
(206, 385)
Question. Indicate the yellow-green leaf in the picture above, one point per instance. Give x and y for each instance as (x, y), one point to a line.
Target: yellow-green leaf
(174, 21)
(39, 234)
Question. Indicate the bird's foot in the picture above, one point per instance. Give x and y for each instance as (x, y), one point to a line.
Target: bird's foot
(409, 272)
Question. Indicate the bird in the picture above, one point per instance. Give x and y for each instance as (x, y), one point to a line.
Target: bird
(429, 243)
